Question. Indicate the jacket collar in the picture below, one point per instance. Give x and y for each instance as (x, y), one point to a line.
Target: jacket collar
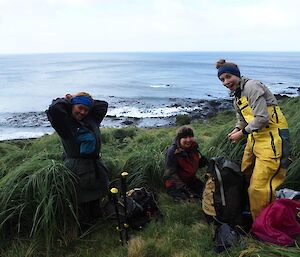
(237, 93)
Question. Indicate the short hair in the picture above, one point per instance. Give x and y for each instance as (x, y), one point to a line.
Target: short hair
(184, 131)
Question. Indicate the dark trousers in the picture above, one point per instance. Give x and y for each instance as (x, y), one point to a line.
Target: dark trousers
(89, 212)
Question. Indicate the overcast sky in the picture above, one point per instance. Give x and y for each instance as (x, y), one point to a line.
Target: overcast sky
(43, 26)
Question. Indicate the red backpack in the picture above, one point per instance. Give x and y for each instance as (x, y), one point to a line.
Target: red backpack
(277, 223)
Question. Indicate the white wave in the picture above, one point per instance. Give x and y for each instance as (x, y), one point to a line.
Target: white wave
(160, 86)
(22, 133)
(161, 112)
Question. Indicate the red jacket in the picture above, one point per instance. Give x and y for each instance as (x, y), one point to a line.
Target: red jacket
(184, 163)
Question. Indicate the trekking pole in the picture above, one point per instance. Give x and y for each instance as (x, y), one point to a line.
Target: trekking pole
(114, 191)
(124, 190)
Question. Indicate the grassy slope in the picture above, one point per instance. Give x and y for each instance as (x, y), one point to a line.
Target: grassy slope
(33, 181)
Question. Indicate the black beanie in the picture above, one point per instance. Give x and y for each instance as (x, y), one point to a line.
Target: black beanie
(229, 68)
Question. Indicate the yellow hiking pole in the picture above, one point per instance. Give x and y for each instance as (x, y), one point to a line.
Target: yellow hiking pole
(114, 191)
(124, 190)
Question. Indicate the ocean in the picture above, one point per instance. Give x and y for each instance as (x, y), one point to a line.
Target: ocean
(143, 89)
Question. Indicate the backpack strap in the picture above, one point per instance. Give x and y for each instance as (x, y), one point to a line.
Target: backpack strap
(221, 185)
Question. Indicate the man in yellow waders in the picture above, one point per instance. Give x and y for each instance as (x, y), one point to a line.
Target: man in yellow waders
(259, 117)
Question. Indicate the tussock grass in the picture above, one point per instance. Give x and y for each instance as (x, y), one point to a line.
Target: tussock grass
(37, 200)
(37, 195)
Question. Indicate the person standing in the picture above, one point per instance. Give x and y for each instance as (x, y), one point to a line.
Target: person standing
(76, 119)
(259, 118)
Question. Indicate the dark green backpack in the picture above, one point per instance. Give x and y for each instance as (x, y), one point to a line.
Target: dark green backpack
(224, 192)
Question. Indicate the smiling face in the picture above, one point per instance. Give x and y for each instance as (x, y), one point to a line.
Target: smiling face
(186, 142)
(79, 111)
(230, 81)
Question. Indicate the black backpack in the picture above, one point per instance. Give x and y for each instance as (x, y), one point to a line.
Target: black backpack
(142, 207)
(224, 192)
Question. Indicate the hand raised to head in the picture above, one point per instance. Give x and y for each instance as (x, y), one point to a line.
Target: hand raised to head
(68, 97)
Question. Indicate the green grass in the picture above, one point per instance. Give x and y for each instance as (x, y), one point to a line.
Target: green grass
(38, 218)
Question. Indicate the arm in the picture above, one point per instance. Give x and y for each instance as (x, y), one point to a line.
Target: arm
(255, 94)
(241, 123)
(59, 115)
(99, 110)
(171, 164)
(203, 161)
(236, 133)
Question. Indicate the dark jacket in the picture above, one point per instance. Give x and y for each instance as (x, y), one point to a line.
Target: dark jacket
(183, 163)
(75, 137)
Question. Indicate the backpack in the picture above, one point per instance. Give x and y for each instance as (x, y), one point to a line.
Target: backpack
(225, 237)
(223, 192)
(142, 207)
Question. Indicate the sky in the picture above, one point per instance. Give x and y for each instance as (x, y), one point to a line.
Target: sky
(53, 26)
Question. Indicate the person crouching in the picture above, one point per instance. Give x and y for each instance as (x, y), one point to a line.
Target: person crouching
(183, 159)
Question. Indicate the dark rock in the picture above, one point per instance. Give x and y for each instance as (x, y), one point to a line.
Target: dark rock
(214, 103)
(127, 122)
(175, 105)
(281, 96)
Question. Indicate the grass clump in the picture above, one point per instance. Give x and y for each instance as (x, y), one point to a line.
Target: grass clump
(183, 119)
(37, 200)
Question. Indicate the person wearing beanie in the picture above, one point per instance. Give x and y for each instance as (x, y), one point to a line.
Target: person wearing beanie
(261, 120)
(183, 159)
(76, 119)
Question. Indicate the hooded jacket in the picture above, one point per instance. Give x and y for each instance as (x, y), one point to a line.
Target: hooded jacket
(259, 97)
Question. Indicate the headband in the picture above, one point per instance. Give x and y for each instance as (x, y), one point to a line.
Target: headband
(84, 100)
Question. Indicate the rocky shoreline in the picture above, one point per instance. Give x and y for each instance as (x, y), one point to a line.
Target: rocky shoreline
(196, 109)
(123, 113)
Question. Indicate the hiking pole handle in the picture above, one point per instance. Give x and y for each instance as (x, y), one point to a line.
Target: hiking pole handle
(114, 192)
(124, 190)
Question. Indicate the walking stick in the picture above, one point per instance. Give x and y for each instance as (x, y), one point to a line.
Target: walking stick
(114, 192)
(124, 190)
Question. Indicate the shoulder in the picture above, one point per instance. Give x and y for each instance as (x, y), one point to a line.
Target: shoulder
(254, 88)
(100, 102)
(172, 148)
(174, 151)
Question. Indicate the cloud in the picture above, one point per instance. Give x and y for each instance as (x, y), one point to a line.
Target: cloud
(152, 25)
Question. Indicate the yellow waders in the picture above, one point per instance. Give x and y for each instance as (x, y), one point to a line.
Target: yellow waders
(265, 156)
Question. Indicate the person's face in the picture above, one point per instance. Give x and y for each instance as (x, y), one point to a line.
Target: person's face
(79, 111)
(186, 142)
(230, 81)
